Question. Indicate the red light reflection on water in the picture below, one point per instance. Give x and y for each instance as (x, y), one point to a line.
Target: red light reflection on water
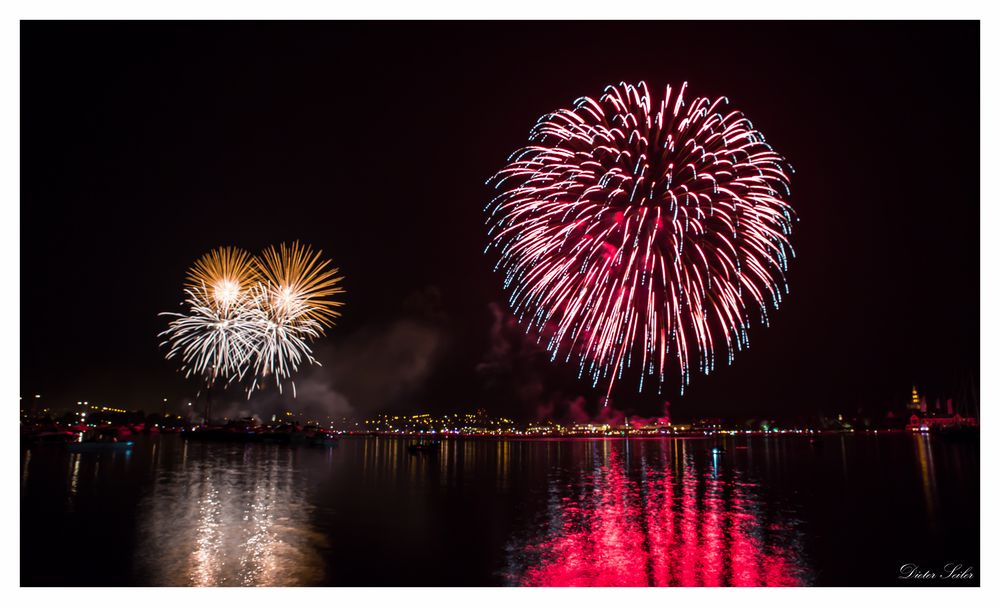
(673, 526)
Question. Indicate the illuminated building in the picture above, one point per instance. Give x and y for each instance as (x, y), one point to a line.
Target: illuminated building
(926, 424)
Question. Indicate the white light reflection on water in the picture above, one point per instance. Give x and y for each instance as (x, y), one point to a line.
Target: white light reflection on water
(238, 515)
(74, 478)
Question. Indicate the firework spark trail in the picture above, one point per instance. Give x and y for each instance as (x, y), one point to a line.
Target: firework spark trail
(298, 287)
(213, 338)
(250, 318)
(643, 232)
(211, 343)
(280, 338)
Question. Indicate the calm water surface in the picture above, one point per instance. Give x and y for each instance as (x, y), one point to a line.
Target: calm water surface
(769, 511)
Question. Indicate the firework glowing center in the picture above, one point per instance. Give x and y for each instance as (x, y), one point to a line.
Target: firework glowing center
(287, 302)
(227, 292)
(252, 318)
(636, 231)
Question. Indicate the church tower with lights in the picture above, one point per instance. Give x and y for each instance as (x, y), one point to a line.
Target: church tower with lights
(916, 402)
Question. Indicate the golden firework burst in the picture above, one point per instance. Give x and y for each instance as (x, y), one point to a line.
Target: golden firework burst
(222, 277)
(301, 284)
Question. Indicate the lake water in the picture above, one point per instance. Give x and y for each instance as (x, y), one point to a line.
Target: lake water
(850, 510)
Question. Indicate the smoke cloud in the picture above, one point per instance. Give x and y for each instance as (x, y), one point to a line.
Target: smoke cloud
(375, 368)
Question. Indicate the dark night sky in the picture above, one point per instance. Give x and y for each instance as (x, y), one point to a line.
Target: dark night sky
(146, 144)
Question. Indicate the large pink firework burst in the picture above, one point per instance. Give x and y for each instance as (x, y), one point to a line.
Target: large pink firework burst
(643, 232)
